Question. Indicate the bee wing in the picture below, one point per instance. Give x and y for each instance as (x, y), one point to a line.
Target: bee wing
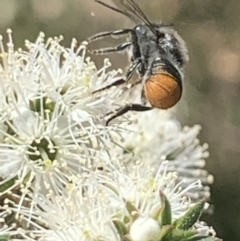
(133, 11)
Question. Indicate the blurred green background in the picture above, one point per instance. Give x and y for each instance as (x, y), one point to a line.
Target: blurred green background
(212, 80)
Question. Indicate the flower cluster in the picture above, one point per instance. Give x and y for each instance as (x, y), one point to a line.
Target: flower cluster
(158, 137)
(64, 175)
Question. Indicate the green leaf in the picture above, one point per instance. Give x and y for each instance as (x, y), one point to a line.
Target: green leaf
(165, 230)
(132, 210)
(35, 105)
(166, 214)
(191, 216)
(179, 235)
(7, 185)
(42, 104)
(4, 237)
(156, 214)
(121, 228)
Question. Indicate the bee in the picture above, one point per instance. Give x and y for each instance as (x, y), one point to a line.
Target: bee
(157, 53)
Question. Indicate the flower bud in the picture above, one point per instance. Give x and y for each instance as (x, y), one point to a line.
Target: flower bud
(145, 229)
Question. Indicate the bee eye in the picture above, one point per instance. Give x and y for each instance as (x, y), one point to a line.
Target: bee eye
(168, 37)
(141, 30)
(138, 30)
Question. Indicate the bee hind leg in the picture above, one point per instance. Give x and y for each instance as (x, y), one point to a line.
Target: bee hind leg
(125, 109)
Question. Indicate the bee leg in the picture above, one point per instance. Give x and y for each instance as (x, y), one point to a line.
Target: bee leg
(118, 48)
(143, 97)
(123, 80)
(115, 83)
(112, 34)
(125, 109)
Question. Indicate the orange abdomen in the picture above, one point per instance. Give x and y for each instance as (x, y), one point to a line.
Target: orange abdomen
(162, 91)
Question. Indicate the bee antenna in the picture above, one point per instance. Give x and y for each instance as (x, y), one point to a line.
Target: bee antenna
(112, 8)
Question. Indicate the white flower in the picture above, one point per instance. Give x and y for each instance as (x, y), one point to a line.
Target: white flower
(142, 187)
(84, 215)
(145, 228)
(51, 129)
(98, 201)
(66, 176)
(157, 136)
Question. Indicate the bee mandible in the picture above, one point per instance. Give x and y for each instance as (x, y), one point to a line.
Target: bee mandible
(157, 53)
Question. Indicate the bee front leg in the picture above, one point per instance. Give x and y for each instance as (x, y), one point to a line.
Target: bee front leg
(123, 80)
(118, 48)
(112, 34)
